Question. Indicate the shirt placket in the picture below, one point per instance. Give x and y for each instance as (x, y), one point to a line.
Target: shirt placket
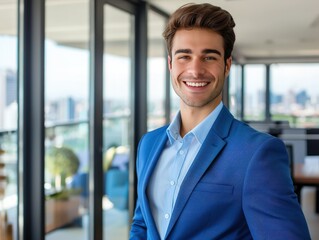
(179, 162)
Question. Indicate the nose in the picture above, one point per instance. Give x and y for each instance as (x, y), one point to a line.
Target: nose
(196, 67)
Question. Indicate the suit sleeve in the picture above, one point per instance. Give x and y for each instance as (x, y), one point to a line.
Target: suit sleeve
(270, 205)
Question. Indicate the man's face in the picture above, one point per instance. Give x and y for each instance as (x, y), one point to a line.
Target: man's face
(197, 67)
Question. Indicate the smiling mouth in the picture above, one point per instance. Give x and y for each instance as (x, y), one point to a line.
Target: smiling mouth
(196, 84)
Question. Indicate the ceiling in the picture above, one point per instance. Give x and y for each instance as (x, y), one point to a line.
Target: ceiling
(269, 30)
(266, 30)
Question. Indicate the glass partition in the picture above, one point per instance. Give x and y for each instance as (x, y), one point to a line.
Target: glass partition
(8, 119)
(156, 74)
(117, 124)
(66, 119)
(235, 86)
(254, 92)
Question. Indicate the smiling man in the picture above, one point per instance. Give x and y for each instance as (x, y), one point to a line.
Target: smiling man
(208, 175)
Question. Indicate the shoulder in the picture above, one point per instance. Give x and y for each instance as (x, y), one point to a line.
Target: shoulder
(230, 127)
(151, 138)
(148, 144)
(245, 132)
(154, 134)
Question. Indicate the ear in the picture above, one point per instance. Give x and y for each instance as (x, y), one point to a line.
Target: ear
(228, 65)
(169, 61)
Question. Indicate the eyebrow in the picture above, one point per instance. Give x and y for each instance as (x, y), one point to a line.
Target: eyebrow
(205, 51)
(182, 51)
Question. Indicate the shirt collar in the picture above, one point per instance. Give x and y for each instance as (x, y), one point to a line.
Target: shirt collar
(173, 129)
(200, 131)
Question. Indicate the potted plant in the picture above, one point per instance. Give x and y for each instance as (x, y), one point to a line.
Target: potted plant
(61, 163)
(62, 205)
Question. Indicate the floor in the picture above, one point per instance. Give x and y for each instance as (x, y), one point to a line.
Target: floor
(117, 229)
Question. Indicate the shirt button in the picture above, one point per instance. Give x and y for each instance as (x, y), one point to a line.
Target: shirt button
(166, 216)
(181, 152)
(172, 183)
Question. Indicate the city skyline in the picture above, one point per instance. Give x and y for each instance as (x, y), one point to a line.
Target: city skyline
(67, 76)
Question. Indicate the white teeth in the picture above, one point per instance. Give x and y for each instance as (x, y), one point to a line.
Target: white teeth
(196, 84)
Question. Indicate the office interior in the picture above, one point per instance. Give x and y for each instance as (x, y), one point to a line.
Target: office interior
(82, 80)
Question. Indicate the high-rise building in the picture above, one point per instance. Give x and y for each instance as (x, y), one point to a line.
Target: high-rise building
(2, 96)
(11, 87)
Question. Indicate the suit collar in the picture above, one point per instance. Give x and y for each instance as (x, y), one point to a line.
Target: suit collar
(223, 123)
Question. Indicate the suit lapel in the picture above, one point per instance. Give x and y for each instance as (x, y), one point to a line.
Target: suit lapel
(156, 146)
(211, 147)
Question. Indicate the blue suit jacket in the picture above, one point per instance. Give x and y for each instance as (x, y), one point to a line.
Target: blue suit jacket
(238, 187)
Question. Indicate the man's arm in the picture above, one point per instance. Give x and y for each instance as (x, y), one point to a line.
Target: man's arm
(269, 202)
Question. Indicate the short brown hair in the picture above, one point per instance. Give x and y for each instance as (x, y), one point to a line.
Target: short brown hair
(204, 16)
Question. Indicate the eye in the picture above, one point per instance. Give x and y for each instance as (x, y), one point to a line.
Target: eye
(184, 57)
(210, 58)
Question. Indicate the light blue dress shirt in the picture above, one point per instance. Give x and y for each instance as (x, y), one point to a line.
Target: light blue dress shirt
(173, 165)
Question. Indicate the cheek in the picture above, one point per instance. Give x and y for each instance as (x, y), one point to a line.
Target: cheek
(219, 71)
(175, 72)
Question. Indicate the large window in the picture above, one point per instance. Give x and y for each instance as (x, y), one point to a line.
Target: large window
(254, 92)
(157, 69)
(294, 93)
(117, 124)
(235, 86)
(174, 103)
(66, 119)
(8, 117)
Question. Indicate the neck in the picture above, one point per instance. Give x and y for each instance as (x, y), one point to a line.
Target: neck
(192, 116)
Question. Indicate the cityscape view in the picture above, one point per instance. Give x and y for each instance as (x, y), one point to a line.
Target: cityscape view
(286, 99)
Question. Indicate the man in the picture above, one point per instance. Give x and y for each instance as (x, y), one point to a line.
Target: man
(206, 175)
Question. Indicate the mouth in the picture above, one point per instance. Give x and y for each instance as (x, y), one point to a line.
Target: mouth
(196, 84)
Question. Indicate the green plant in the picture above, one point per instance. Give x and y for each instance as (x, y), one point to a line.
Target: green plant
(61, 162)
(63, 194)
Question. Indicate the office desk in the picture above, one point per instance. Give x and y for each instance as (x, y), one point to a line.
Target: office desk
(307, 174)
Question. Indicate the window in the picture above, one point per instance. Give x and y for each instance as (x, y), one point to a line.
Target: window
(117, 130)
(235, 86)
(8, 116)
(294, 94)
(66, 118)
(156, 71)
(254, 92)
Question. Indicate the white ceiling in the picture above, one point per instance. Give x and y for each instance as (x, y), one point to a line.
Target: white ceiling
(280, 29)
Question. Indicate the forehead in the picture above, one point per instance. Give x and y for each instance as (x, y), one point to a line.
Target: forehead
(197, 39)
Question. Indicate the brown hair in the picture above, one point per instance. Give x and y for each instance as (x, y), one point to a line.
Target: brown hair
(204, 16)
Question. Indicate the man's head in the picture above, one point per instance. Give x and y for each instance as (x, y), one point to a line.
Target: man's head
(204, 16)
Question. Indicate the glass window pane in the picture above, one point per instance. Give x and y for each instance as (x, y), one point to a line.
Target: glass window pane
(174, 103)
(66, 119)
(235, 85)
(254, 92)
(8, 117)
(156, 75)
(294, 94)
(117, 125)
